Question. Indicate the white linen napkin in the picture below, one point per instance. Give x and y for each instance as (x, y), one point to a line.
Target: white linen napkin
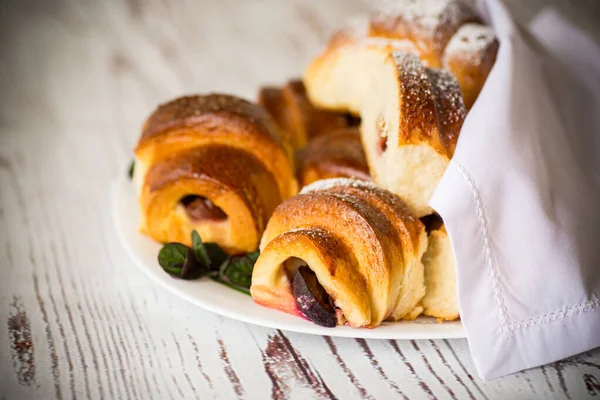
(521, 199)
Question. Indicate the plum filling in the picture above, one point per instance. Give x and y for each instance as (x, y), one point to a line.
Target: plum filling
(432, 222)
(200, 208)
(381, 130)
(312, 299)
(352, 120)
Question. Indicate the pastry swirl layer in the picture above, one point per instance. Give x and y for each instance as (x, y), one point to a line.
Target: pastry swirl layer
(362, 242)
(212, 163)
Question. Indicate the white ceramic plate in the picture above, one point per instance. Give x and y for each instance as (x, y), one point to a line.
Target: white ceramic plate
(219, 299)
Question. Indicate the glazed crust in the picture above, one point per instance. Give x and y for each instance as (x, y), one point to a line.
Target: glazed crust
(189, 111)
(219, 148)
(338, 154)
(418, 118)
(193, 121)
(449, 107)
(431, 106)
(362, 242)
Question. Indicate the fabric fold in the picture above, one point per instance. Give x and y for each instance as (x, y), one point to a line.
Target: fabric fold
(521, 199)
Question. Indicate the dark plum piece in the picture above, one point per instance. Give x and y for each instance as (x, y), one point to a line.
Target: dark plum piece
(200, 208)
(432, 222)
(312, 299)
(352, 120)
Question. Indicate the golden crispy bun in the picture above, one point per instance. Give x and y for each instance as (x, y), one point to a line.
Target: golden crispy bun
(212, 163)
(362, 242)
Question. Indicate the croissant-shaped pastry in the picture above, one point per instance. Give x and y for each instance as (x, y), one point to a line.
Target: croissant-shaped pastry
(336, 155)
(410, 121)
(342, 251)
(298, 119)
(440, 301)
(444, 33)
(212, 163)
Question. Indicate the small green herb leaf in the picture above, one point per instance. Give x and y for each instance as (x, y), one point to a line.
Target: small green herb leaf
(237, 271)
(192, 268)
(172, 257)
(216, 255)
(180, 261)
(131, 169)
(209, 260)
(199, 249)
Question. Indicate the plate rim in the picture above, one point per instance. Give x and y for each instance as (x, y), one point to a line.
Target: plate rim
(446, 330)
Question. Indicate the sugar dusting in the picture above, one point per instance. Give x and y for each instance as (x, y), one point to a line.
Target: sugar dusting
(469, 42)
(449, 105)
(326, 184)
(428, 15)
(387, 196)
(413, 72)
(417, 114)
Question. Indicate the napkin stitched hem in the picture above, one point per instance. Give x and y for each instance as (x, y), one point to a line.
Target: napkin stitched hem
(571, 311)
(508, 325)
(488, 255)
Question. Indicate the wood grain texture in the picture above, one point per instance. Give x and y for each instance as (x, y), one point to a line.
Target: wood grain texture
(77, 79)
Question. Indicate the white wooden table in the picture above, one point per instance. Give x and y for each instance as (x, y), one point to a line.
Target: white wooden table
(77, 319)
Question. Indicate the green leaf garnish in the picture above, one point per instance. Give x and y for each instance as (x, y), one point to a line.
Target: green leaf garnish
(237, 271)
(216, 255)
(199, 249)
(192, 269)
(180, 261)
(131, 169)
(172, 257)
(208, 259)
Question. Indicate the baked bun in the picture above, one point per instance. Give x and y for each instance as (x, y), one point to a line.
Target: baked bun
(213, 163)
(470, 56)
(338, 154)
(443, 33)
(342, 251)
(441, 300)
(411, 116)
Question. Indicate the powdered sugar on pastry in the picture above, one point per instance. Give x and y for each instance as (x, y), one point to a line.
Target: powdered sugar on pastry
(429, 14)
(449, 106)
(426, 19)
(469, 42)
(326, 184)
